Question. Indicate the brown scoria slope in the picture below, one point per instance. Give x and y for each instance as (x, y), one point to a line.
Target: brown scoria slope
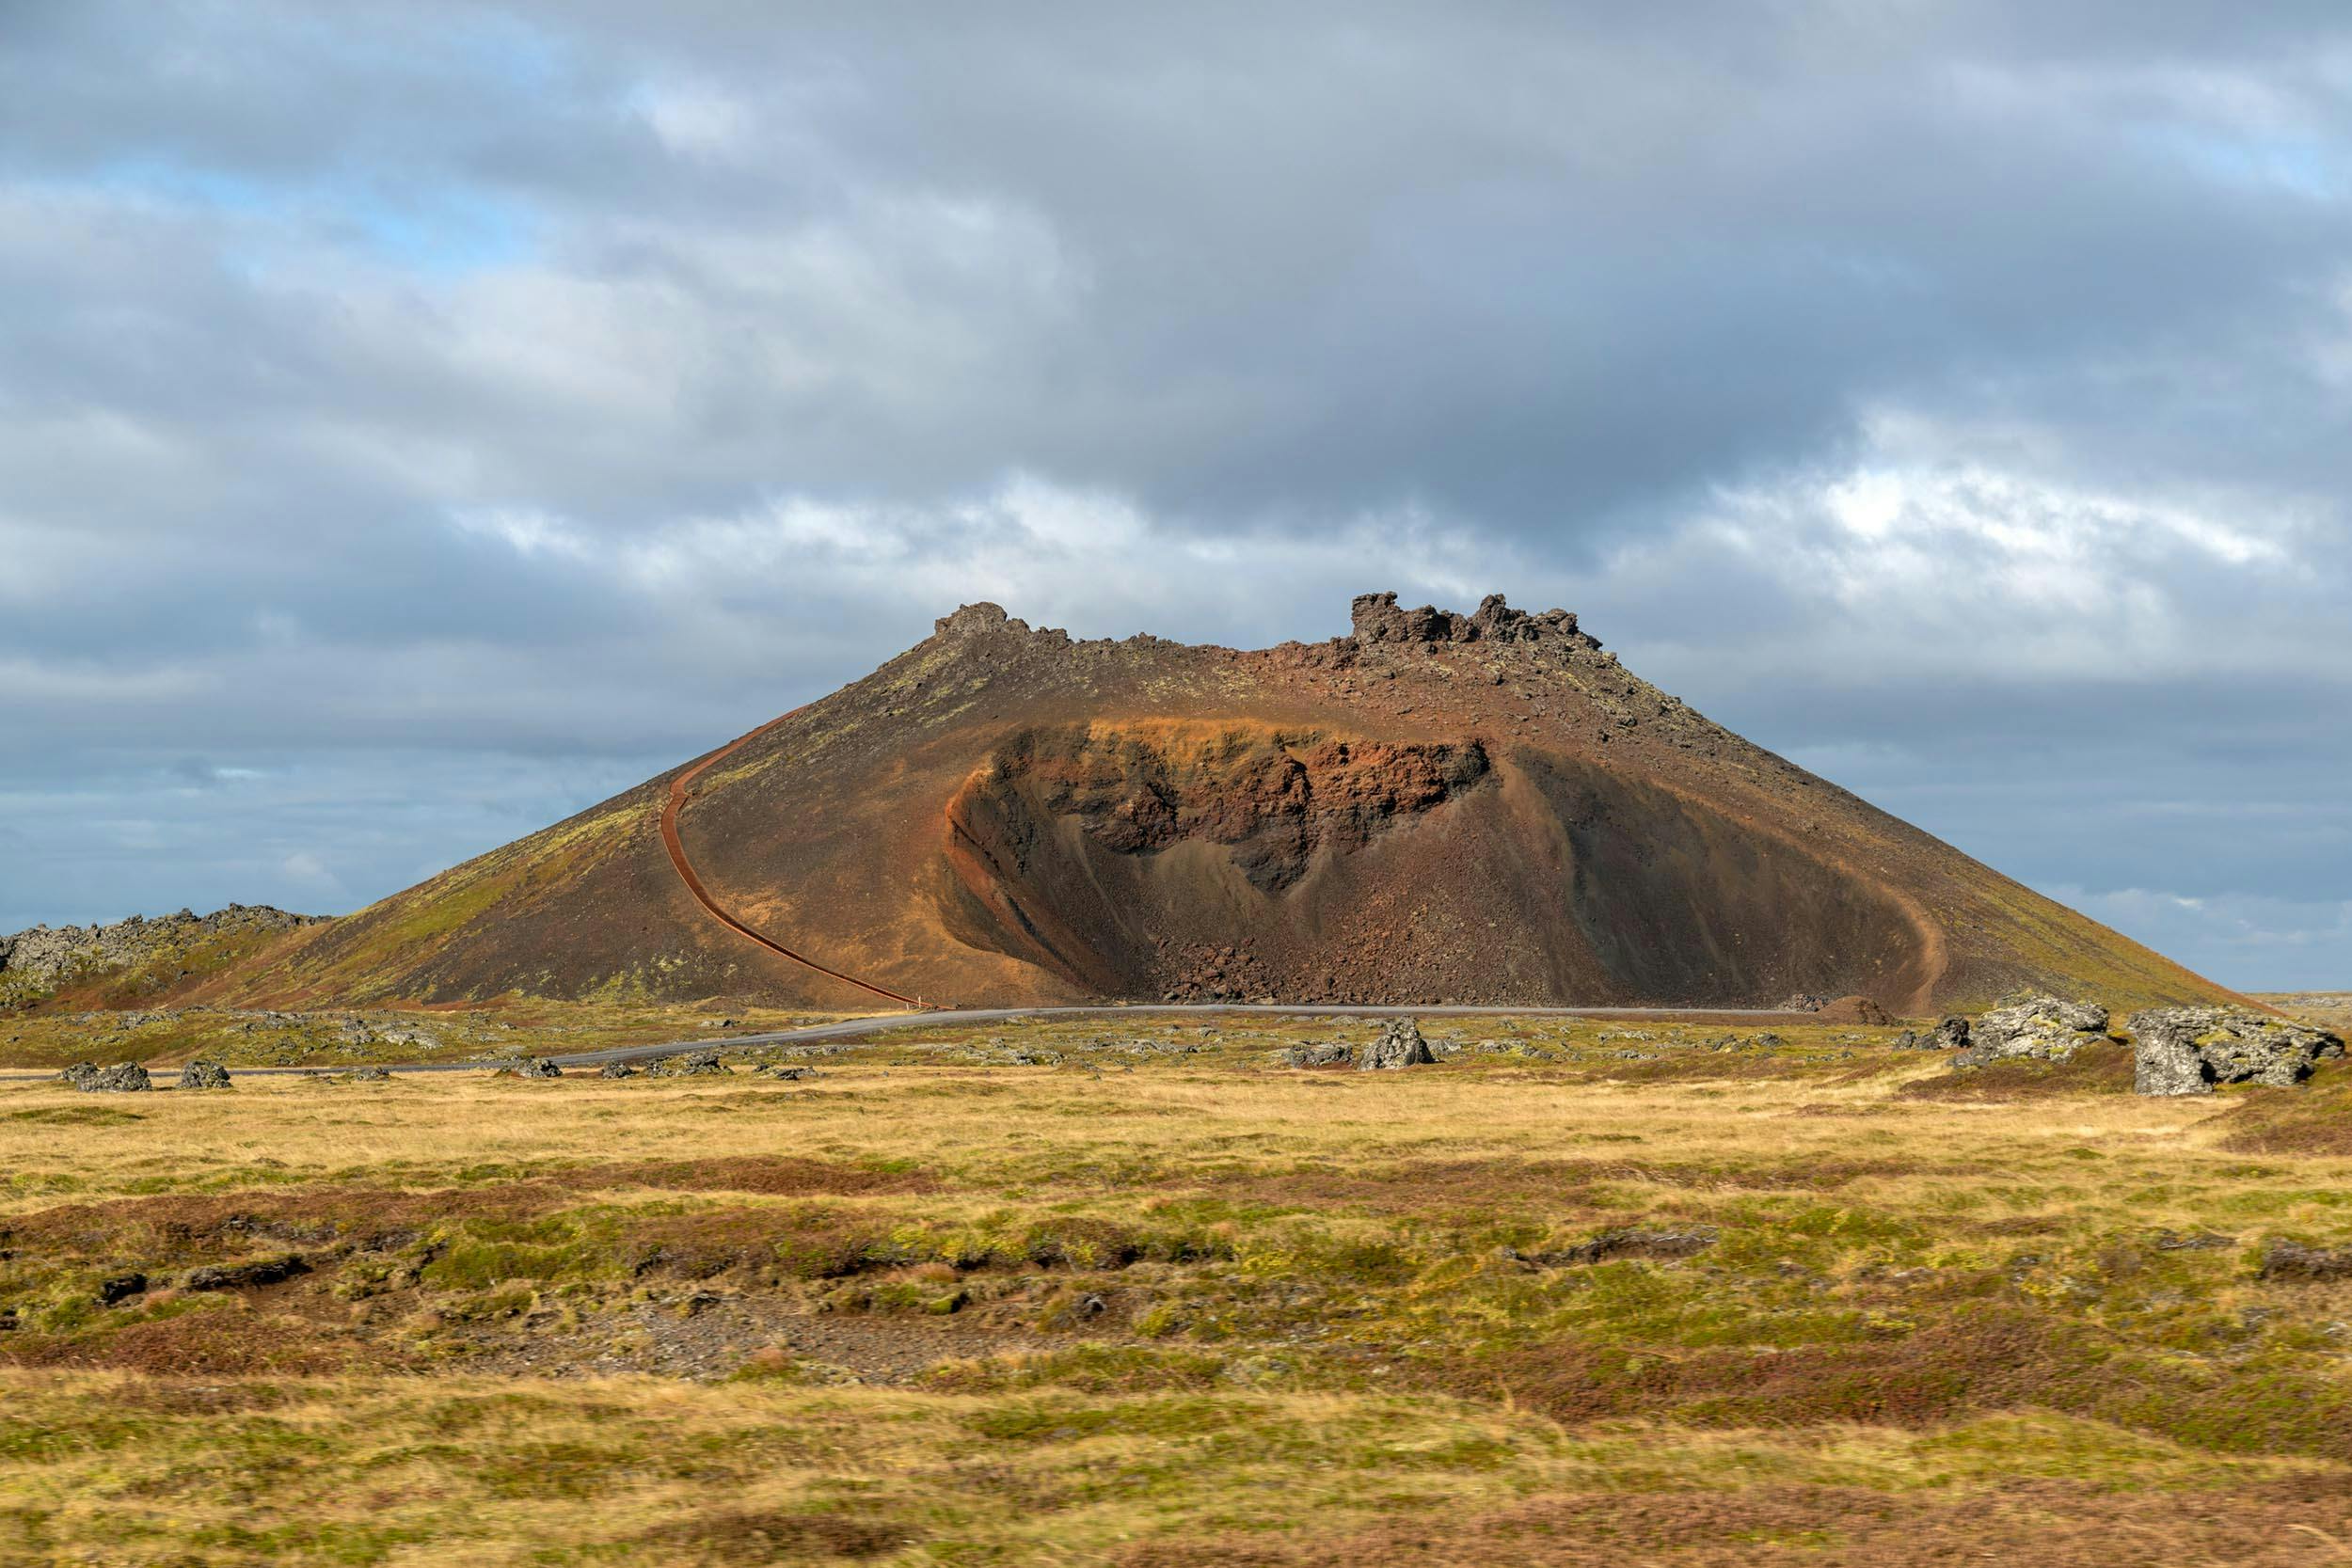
(1438, 807)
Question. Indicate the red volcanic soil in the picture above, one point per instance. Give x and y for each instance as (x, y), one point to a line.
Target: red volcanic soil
(1438, 807)
(675, 846)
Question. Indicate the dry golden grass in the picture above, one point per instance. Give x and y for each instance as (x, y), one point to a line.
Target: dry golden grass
(1143, 1303)
(472, 1472)
(1196, 1122)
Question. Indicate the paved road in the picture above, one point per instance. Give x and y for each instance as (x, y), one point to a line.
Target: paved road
(851, 1028)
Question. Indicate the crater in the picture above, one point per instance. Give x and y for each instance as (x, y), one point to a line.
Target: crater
(1202, 860)
(1275, 798)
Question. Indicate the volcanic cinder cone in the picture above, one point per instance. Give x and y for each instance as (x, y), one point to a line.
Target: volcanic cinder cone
(1438, 807)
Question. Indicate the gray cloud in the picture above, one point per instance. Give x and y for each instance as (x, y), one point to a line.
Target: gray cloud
(1951, 395)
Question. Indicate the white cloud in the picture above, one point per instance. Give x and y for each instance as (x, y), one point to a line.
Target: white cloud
(526, 533)
(1938, 556)
(697, 118)
(1054, 552)
(306, 867)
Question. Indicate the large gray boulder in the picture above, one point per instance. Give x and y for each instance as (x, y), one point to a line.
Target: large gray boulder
(2041, 1027)
(2181, 1051)
(1400, 1045)
(1318, 1054)
(122, 1078)
(2165, 1061)
(203, 1073)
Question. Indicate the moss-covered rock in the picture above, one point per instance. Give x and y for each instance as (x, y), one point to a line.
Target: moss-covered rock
(2185, 1051)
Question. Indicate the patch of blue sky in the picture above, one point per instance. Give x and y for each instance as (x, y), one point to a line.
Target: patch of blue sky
(172, 183)
(437, 231)
(2313, 167)
(446, 233)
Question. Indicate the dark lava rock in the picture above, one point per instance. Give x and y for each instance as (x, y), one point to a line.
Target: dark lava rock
(1400, 1045)
(120, 1287)
(616, 1069)
(241, 1276)
(2285, 1259)
(122, 1078)
(1950, 1035)
(203, 1073)
(536, 1067)
(1375, 618)
(2179, 1051)
(1319, 1053)
(2041, 1027)
(693, 1064)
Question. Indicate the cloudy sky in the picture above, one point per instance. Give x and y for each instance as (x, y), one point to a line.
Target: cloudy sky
(421, 420)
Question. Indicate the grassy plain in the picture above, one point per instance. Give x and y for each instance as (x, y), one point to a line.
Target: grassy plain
(1072, 1294)
(344, 1038)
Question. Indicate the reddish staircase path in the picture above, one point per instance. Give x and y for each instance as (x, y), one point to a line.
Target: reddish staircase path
(670, 842)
